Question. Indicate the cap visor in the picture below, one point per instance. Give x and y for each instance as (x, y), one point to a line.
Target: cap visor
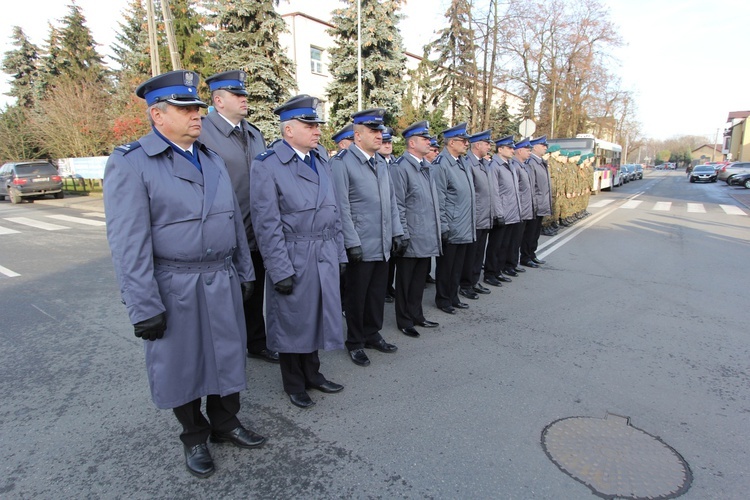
(308, 120)
(186, 102)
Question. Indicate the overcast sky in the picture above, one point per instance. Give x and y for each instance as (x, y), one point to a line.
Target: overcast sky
(685, 61)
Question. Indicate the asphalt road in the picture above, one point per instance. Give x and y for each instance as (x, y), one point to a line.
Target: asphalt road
(638, 312)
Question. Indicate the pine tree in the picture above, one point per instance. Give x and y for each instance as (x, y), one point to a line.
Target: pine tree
(78, 48)
(455, 68)
(502, 122)
(189, 28)
(383, 60)
(51, 65)
(248, 38)
(21, 65)
(131, 47)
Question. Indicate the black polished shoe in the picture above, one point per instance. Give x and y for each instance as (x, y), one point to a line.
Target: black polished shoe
(519, 269)
(461, 305)
(410, 332)
(538, 261)
(301, 399)
(428, 324)
(448, 309)
(265, 355)
(359, 357)
(328, 387)
(510, 272)
(382, 346)
(491, 280)
(198, 460)
(469, 294)
(504, 279)
(430, 279)
(481, 289)
(530, 263)
(239, 437)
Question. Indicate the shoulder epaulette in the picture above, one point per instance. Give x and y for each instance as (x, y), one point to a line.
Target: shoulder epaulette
(341, 153)
(127, 148)
(437, 159)
(265, 154)
(399, 160)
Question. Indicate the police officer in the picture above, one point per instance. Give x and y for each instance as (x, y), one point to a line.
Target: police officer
(344, 137)
(521, 153)
(372, 230)
(228, 133)
(298, 228)
(539, 173)
(486, 217)
(455, 186)
(417, 199)
(429, 158)
(508, 214)
(386, 151)
(180, 254)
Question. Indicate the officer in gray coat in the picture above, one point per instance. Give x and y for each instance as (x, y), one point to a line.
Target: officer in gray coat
(226, 131)
(485, 193)
(521, 153)
(417, 199)
(298, 228)
(539, 170)
(455, 185)
(182, 261)
(509, 208)
(344, 137)
(372, 229)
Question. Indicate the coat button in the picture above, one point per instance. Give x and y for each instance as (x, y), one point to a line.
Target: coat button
(209, 251)
(209, 281)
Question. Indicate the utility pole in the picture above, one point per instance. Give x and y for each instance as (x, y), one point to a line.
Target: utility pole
(174, 55)
(359, 55)
(153, 46)
(713, 146)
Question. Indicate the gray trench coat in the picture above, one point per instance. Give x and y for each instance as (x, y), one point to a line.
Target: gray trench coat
(298, 228)
(507, 200)
(417, 200)
(369, 214)
(455, 185)
(179, 246)
(484, 196)
(542, 191)
(525, 190)
(238, 151)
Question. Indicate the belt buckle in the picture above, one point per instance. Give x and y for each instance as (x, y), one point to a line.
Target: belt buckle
(228, 262)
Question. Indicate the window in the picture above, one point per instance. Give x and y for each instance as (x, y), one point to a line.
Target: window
(316, 60)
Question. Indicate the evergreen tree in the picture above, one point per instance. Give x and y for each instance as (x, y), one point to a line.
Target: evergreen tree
(248, 38)
(131, 47)
(21, 65)
(52, 64)
(192, 44)
(383, 60)
(455, 69)
(502, 122)
(78, 48)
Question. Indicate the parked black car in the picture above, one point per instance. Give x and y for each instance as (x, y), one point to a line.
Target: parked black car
(29, 180)
(705, 173)
(739, 180)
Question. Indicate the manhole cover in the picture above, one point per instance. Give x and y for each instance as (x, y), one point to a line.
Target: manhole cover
(615, 459)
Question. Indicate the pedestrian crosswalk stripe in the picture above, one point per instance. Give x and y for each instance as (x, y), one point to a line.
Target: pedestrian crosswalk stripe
(36, 223)
(696, 208)
(8, 272)
(94, 214)
(600, 203)
(631, 204)
(664, 206)
(732, 210)
(78, 220)
(7, 230)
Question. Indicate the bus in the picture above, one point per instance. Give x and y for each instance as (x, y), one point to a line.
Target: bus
(606, 158)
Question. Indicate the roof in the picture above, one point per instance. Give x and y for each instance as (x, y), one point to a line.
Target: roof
(737, 114)
(717, 147)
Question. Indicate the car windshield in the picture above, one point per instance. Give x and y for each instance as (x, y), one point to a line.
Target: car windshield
(704, 168)
(36, 169)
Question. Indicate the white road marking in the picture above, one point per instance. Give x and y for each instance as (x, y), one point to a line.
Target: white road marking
(663, 206)
(94, 214)
(696, 208)
(600, 203)
(7, 230)
(78, 220)
(36, 223)
(732, 210)
(8, 272)
(630, 204)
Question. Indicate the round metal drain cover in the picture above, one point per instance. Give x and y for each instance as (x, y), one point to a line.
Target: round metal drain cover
(615, 459)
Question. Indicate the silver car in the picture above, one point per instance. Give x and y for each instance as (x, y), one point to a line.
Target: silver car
(738, 167)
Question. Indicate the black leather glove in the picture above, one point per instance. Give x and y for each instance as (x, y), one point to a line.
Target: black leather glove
(399, 246)
(354, 254)
(342, 268)
(152, 328)
(284, 287)
(247, 290)
(499, 221)
(444, 237)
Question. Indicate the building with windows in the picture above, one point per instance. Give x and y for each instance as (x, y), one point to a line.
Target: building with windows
(737, 137)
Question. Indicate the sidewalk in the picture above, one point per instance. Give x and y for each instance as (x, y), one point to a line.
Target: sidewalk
(92, 203)
(742, 197)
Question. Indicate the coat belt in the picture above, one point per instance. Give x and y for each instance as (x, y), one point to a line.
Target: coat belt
(181, 267)
(326, 234)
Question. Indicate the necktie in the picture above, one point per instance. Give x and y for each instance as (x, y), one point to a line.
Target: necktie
(424, 169)
(371, 162)
(307, 160)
